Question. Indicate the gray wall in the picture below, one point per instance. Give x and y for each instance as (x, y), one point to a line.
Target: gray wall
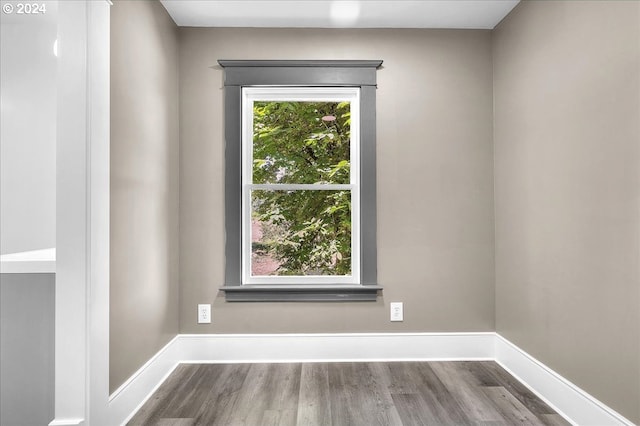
(28, 70)
(26, 349)
(435, 179)
(567, 94)
(144, 185)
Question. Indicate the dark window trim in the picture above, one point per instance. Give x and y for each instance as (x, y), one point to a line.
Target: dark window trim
(340, 73)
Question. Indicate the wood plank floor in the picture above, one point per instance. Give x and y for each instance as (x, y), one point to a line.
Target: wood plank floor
(342, 394)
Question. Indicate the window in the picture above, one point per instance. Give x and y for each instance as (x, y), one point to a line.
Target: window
(300, 214)
(300, 185)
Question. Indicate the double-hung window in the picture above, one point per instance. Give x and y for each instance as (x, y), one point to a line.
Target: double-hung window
(300, 185)
(300, 181)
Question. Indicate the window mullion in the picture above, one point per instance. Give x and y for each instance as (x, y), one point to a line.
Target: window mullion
(301, 187)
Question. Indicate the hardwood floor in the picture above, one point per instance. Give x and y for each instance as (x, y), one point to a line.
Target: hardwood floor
(341, 394)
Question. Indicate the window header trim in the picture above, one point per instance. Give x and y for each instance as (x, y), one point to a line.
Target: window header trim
(228, 63)
(300, 72)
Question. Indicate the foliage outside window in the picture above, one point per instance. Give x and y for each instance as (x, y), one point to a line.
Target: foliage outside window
(301, 185)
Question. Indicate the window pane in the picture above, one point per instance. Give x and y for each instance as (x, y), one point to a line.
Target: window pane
(301, 142)
(300, 232)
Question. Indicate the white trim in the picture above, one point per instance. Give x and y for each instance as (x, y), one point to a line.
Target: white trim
(149, 394)
(573, 403)
(310, 94)
(72, 235)
(301, 187)
(31, 255)
(300, 93)
(66, 422)
(161, 357)
(29, 262)
(82, 224)
(28, 267)
(125, 401)
(259, 348)
(98, 212)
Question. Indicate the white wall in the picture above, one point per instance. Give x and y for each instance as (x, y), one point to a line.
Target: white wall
(28, 130)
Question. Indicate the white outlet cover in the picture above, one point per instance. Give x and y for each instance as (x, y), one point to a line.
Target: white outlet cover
(204, 314)
(397, 311)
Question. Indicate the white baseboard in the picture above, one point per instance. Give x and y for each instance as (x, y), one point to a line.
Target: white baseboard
(222, 348)
(574, 404)
(66, 422)
(132, 394)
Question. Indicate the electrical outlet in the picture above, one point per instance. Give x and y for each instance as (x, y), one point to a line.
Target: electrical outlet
(397, 313)
(204, 314)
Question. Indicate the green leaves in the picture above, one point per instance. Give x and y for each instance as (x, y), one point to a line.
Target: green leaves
(342, 168)
(291, 143)
(310, 229)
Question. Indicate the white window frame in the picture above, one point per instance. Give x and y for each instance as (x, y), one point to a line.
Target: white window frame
(300, 94)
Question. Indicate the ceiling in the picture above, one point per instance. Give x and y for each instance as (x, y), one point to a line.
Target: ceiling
(462, 14)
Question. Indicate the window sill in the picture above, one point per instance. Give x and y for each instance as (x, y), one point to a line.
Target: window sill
(301, 293)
